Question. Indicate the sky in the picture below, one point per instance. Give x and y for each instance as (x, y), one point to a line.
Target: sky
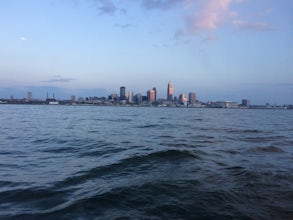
(219, 49)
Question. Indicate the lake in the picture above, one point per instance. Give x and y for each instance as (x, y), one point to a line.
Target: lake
(89, 162)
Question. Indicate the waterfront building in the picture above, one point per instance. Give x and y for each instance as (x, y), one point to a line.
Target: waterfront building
(130, 97)
(151, 94)
(224, 104)
(80, 99)
(192, 98)
(73, 98)
(29, 96)
(138, 98)
(170, 92)
(53, 103)
(245, 103)
(144, 98)
(182, 99)
(113, 97)
(175, 99)
(155, 93)
(122, 93)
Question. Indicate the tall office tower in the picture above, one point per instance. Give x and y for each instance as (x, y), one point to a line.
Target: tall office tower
(170, 92)
(122, 93)
(29, 96)
(73, 98)
(151, 95)
(138, 98)
(155, 93)
(182, 98)
(130, 97)
(192, 98)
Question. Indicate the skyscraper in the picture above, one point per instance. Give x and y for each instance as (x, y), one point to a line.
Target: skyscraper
(122, 93)
(155, 93)
(182, 99)
(29, 96)
(130, 96)
(138, 98)
(170, 92)
(151, 94)
(73, 98)
(192, 98)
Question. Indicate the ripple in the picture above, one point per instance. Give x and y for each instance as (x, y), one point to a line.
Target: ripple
(145, 163)
(269, 149)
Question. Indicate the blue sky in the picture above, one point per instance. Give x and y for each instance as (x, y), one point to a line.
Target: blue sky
(220, 49)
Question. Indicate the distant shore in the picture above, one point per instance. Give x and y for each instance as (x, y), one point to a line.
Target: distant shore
(163, 103)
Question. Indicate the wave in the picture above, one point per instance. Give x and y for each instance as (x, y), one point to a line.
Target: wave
(269, 149)
(128, 165)
(262, 139)
(155, 200)
(150, 126)
(107, 163)
(232, 130)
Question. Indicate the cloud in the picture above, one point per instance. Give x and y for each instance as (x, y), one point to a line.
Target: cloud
(209, 38)
(159, 4)
(211, 15)
(23, 38)
(243, 25)
(106, 6)
(60, 79)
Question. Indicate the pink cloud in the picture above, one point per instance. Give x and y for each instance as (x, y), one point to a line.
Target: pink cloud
(210, 15)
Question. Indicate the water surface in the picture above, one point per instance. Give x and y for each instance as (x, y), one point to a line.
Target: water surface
(88, 162)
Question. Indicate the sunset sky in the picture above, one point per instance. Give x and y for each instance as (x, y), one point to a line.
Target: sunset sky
(220, 49)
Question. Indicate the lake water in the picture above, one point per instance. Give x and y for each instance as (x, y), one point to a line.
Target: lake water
(89, 162)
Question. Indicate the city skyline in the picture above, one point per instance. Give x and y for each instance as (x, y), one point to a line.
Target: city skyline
(148, 99)
(128, 96)
(124, 94)
(222, 49)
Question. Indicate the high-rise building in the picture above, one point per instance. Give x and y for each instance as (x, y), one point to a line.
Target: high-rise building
(29, 96)
(182, 98)
(151, 95)
(245, 102)
(192, 98)
(170, 92)
(155, 93)
(122, 93)
(130, 97)
(73, 98)
(138, 98)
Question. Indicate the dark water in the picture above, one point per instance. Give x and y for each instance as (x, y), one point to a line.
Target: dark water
(84, 162)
